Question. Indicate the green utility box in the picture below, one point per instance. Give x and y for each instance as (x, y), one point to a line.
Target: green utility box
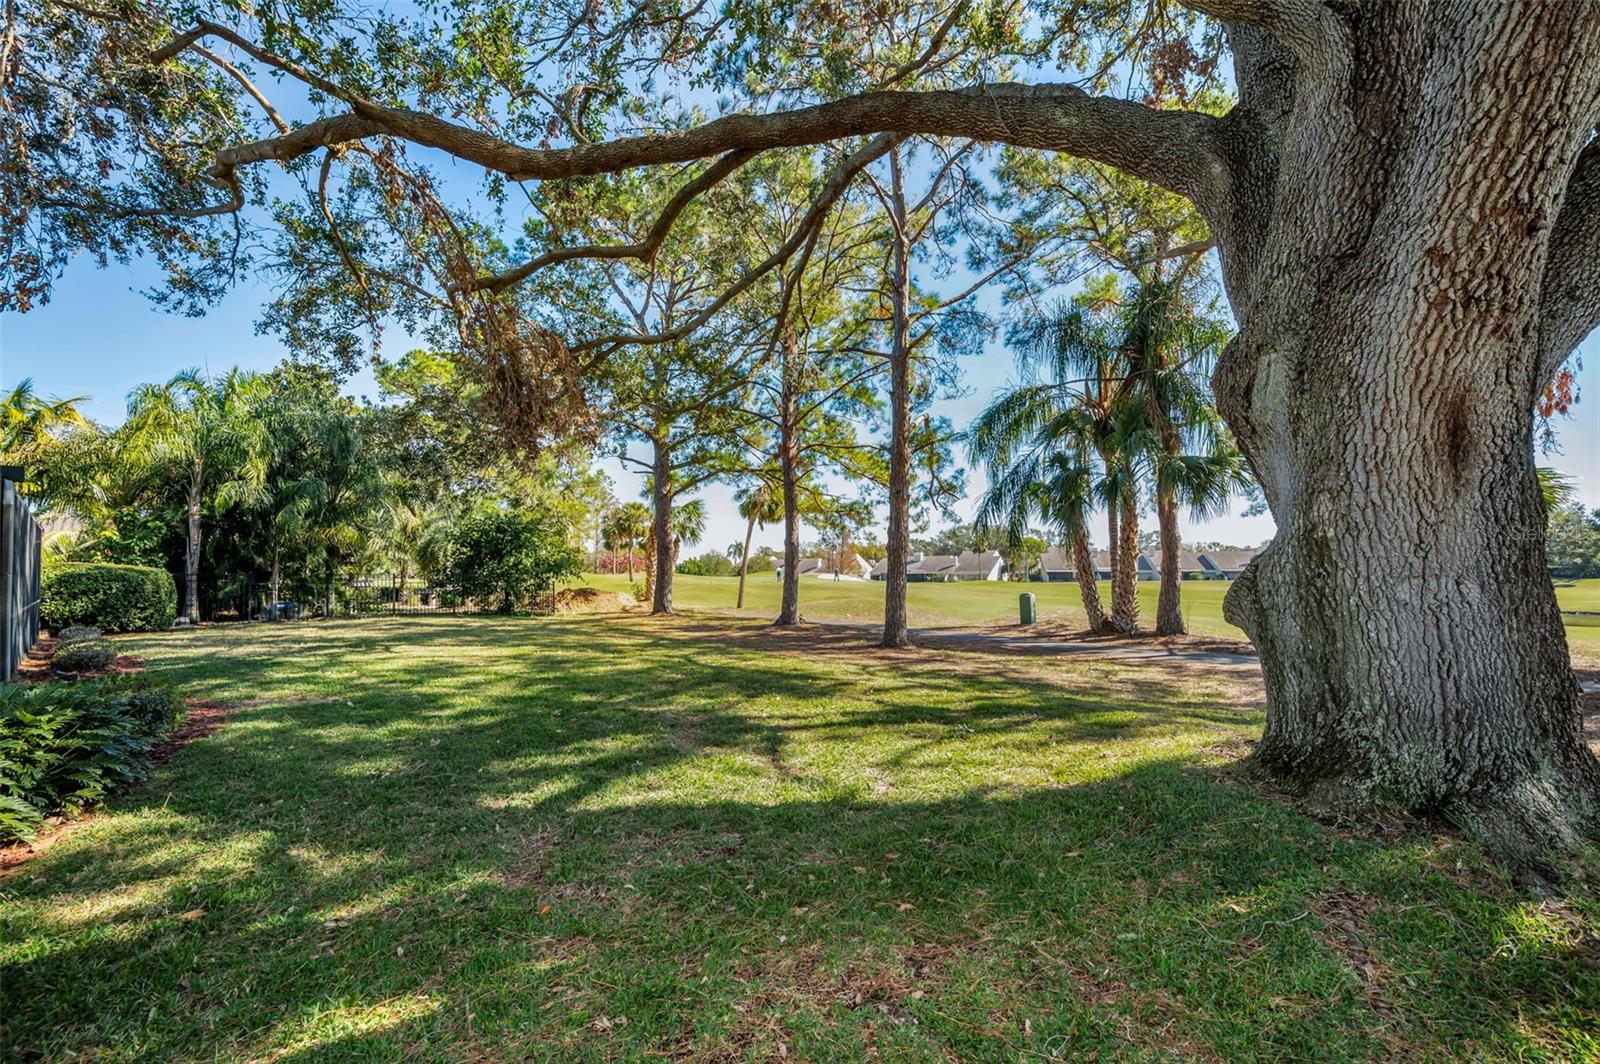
(1028, 607)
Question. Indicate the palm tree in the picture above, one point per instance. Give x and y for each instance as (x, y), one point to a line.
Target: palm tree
(347, 489)
(29, 424)
(1168, 349)
(631, 523)
(688, 524)
(759, 504)
(1069, 423)
(1040, 444)
(205, 432)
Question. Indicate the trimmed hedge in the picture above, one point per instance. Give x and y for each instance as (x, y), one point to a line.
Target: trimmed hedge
(66, 746)
(113, 598)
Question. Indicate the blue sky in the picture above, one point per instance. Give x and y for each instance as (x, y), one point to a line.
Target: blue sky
(99, 337)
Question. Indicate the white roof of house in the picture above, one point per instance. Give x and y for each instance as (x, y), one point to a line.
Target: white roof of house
(1226, 560)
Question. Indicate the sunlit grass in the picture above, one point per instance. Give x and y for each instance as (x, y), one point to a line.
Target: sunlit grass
(610, 839)
(995, 602)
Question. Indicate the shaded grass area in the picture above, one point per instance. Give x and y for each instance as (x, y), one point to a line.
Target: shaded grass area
(616, 839)
(995, 602)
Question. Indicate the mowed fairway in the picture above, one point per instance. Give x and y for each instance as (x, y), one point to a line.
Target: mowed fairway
(992, 603)
(597, 839)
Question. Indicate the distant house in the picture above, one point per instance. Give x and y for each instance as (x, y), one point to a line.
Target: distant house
(1189, 565)
(823, 569)
(1055, 566)
(1225, 564)
(948, 568)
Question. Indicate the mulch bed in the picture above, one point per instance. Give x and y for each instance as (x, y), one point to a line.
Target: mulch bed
(35, 667)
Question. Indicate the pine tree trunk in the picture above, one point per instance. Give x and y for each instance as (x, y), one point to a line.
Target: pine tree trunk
(1125, 569)
(744, 559)
(896, 630)
(1169, 606)
(661, 533)
(1083, 566)
(789, 472)
(1397, 324)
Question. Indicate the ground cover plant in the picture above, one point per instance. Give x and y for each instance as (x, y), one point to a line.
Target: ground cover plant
(66, 746)
(616, 838)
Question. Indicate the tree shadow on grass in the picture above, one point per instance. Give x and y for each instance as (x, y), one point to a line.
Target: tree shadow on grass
(587, 846)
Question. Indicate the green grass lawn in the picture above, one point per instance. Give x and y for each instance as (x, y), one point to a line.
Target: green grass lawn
(984, 603)
(589, 838)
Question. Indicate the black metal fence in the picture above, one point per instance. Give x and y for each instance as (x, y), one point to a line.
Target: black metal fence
(21, 548)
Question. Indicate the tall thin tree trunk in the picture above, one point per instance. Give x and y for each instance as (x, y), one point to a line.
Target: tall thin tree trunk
(277, 583)
(1125, 569)
(1083, 566)
(1169, 607)
(630, 562)
(744, 558)
(662, 541)
(896, 631)
(191, 554)
(789, 475)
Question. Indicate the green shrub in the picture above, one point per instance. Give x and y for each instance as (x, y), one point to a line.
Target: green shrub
(66, 746)
(73, 635)
(114, 598)
(83, 655)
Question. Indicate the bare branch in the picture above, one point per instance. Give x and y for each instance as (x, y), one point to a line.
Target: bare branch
(829, 195)
(644, 249)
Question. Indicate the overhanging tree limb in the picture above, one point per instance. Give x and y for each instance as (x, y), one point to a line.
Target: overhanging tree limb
(1569, 307)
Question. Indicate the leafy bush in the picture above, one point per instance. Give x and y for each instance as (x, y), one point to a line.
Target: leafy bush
(66, 746)
(507, 557)
(114, 598)
(73, 635)
(83, 655)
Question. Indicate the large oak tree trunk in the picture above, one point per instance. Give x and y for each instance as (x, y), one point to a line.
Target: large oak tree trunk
(1388, 283)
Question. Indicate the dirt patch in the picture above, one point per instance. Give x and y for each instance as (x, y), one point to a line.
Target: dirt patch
(1344, 916)
(592, 600)
(199, 720)
(1140, 641)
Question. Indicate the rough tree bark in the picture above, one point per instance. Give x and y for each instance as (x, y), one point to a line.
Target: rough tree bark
(661, 528)
(1088, 589)
(1398, 178)
(896, 631)
(1125, 568)
(1169, 604)
(789, 476)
